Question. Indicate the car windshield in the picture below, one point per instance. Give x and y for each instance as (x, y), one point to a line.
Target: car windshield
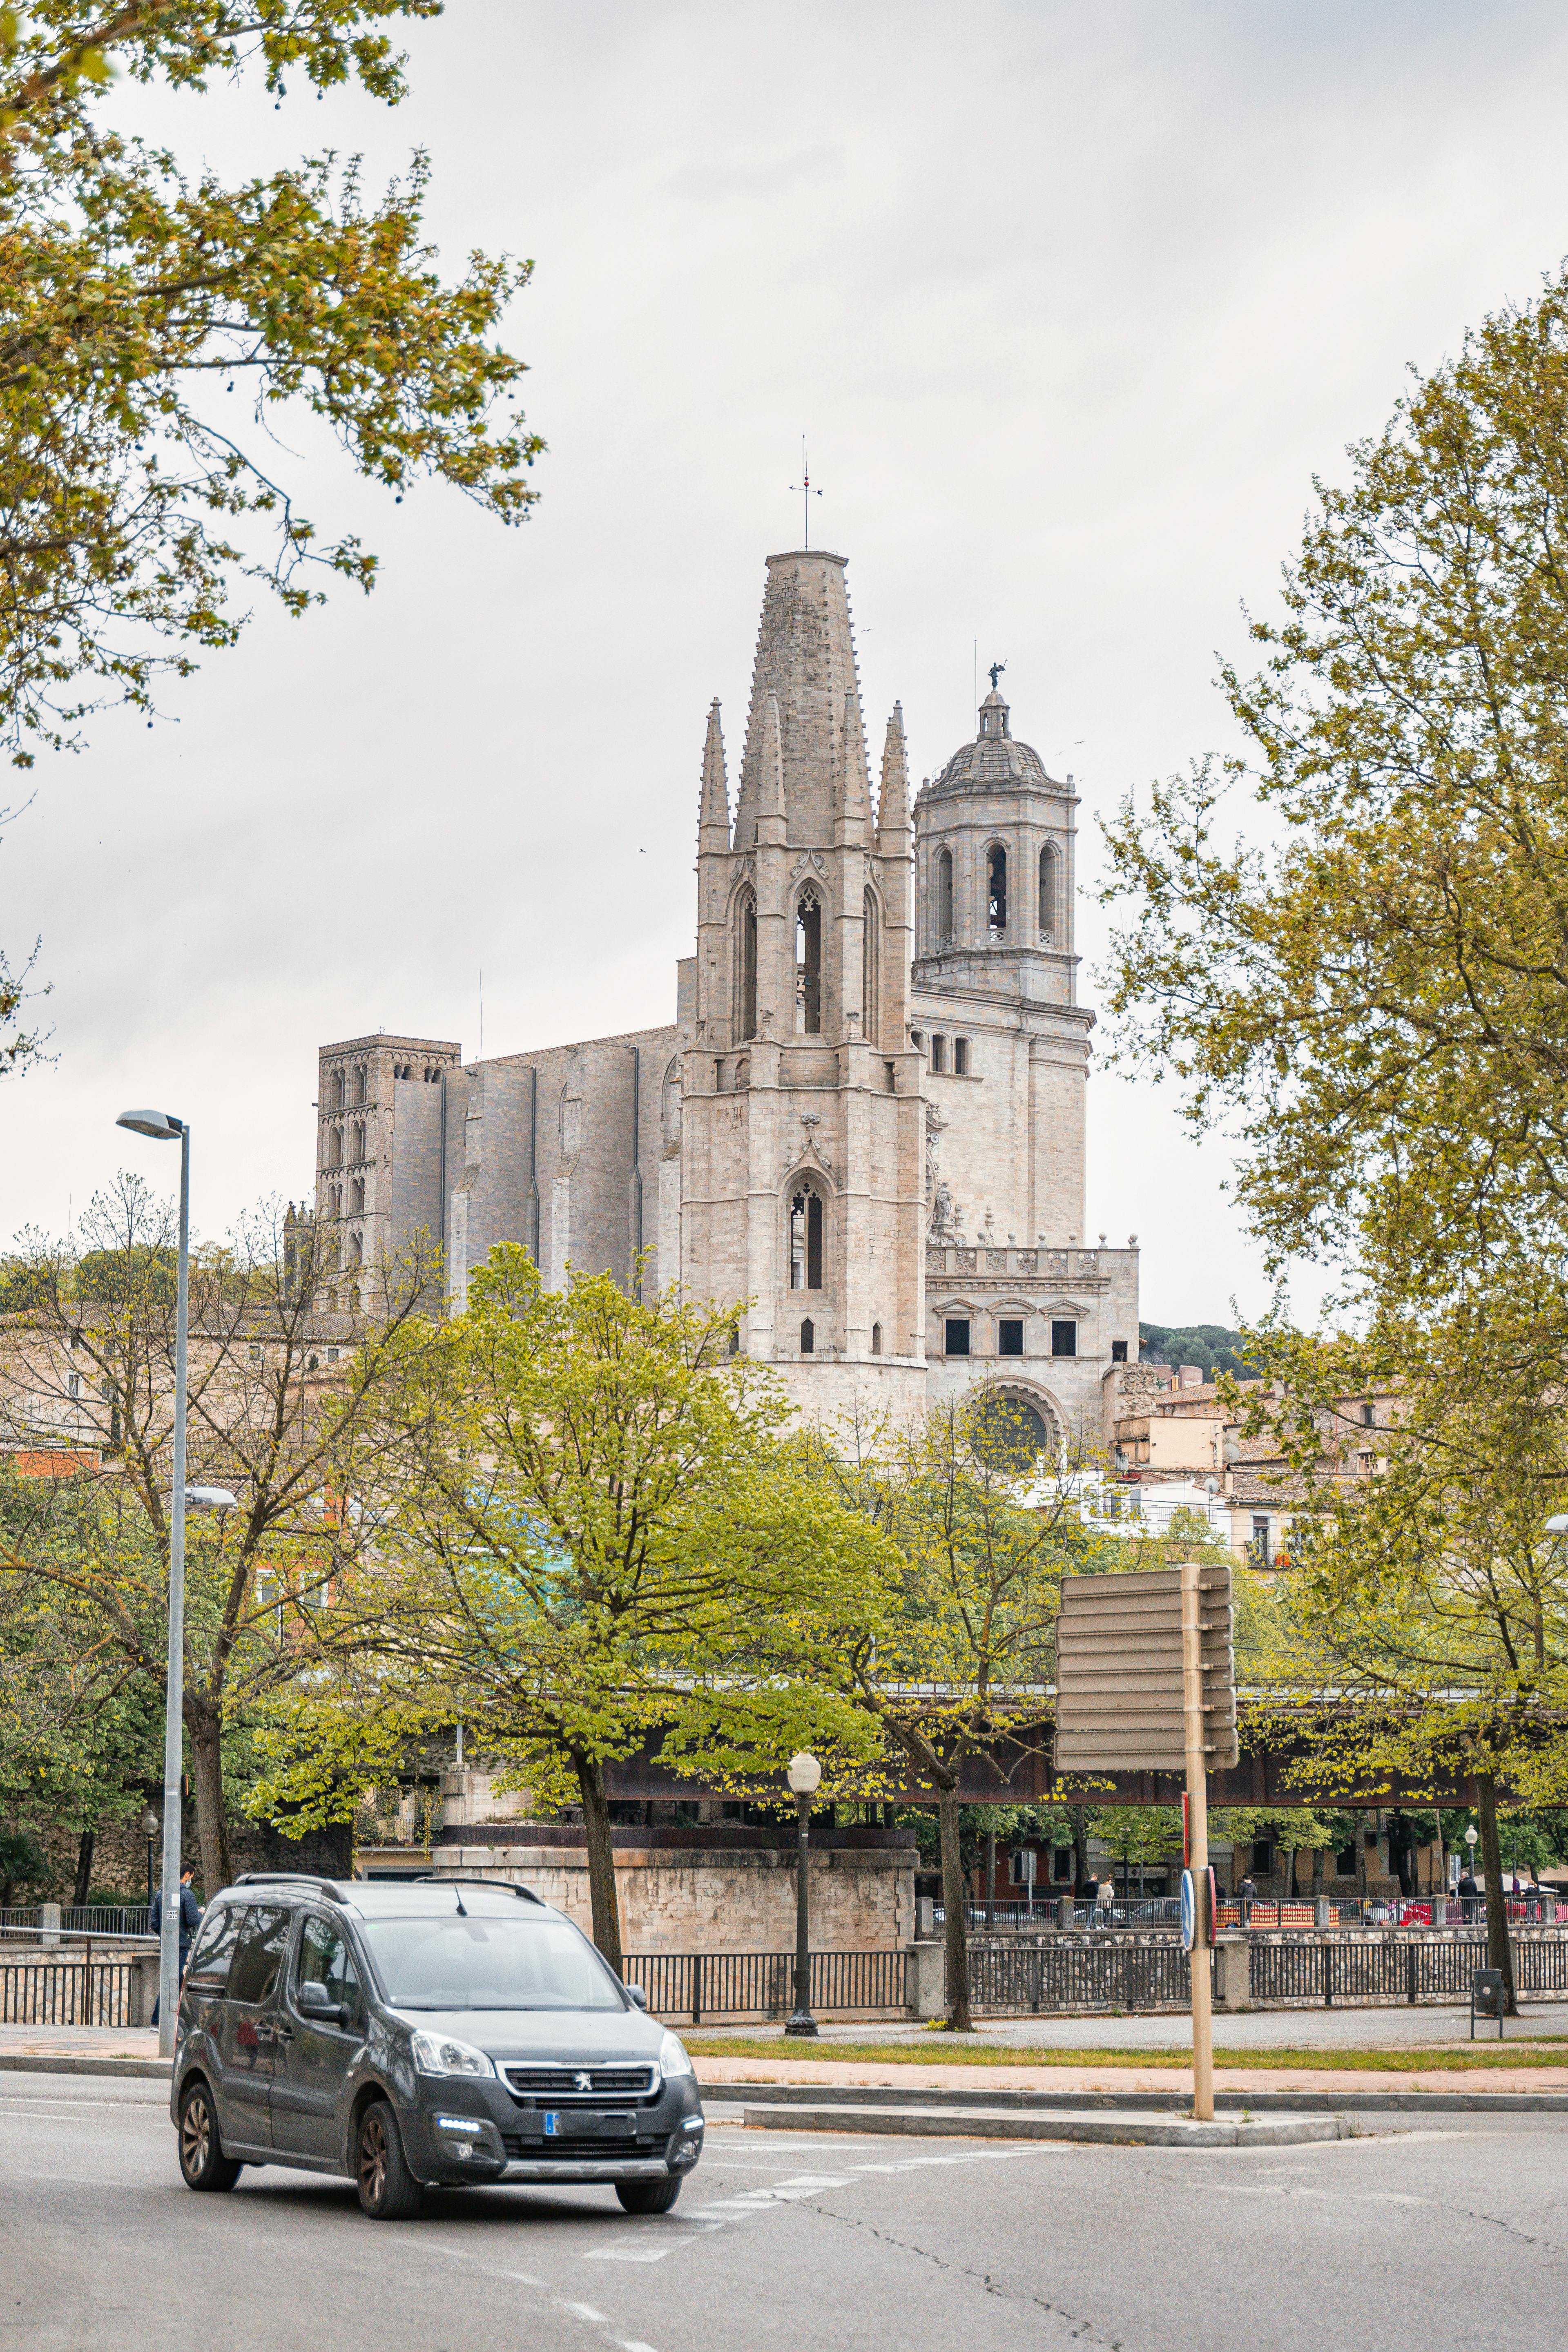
(479, 1961)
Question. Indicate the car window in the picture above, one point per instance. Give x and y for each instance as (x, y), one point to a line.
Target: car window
(459, 1960)
(263, 1940)
(325, 1959)
(215, 1948)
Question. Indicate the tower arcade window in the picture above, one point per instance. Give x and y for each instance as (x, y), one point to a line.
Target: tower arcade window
(939, 1052)
(356, 1197)
(808, 964)
(996, 890)
(1049, 864)
(960, 1057)
(335, 1147)
(805, 1240)
(746, 969)
(360, 1085)
(807, 1338)
(944, 897)
(357, 1139)
(870, 969)
(876, 1339)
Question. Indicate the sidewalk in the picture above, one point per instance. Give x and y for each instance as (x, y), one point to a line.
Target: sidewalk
(1398, 2027)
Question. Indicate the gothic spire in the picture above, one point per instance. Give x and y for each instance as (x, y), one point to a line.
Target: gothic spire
(769, 820)
(850, 793)
(893, 804)
(806, 660)
(713, 826)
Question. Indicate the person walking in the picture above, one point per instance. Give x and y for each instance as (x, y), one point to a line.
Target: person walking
(190, 1920)
(1469, 1892)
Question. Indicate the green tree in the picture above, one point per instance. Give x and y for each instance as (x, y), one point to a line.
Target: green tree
(582, 1530)
(1373, 995)
(1138, 1834)
(88, 1365)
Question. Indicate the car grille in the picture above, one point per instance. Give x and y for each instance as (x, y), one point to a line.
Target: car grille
(560, 2086)
(575, 2151)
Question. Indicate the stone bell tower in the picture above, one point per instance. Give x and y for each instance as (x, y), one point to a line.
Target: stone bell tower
(803, 1122)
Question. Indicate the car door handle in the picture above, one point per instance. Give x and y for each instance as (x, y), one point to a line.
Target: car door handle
(281, 2032)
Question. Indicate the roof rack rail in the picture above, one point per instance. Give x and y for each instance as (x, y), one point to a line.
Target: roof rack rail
(328, 1886)
(473, 1878)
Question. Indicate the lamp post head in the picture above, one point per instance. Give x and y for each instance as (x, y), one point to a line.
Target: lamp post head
(803, 1774)
(1471, 1834)
(208, 1498)
(161, 1125)
(1557, 1525)
(149, 1824)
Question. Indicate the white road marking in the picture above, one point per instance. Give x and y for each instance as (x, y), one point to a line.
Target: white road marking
(585, 2311)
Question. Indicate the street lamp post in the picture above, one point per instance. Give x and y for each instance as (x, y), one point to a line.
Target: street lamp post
(163, 1127)
(804, 1773)
(149, 1831)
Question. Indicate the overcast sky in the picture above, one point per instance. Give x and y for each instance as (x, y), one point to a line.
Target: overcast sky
(1071, 304)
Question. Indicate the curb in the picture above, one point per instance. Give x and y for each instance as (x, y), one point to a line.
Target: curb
(24, 2061)
(894, 2096)
(1116, 2131)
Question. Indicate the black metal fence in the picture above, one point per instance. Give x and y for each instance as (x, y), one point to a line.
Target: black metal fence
(1104, 1972)
(697, 1985)
(66, 1992)
(1435, 1966)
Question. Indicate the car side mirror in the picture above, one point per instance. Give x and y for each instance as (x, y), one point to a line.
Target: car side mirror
(637, 1996)
(315, 2001)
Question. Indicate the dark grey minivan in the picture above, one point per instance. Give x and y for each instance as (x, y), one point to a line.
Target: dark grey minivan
(432, 2033)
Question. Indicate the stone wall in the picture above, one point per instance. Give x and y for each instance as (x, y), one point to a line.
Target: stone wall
(715, 1899)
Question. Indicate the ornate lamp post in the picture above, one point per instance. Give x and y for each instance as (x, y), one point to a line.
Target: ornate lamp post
(804, 1772)
(149, 1831)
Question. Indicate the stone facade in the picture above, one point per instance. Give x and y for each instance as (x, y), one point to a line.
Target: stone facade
(868, 1119)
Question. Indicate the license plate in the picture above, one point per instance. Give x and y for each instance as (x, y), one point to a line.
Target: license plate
(562, 2123)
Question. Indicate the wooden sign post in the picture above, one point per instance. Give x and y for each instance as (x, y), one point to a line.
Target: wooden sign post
(1146, 1683)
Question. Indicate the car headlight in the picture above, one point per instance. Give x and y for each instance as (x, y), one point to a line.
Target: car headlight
(672, 2057)
(434, 2055)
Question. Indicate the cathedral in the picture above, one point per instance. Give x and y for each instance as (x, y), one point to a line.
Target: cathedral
(868, 1119)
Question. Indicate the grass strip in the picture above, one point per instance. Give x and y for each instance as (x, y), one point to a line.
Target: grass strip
(1440, 2059)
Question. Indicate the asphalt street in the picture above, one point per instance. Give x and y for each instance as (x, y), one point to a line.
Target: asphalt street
(807, 2241)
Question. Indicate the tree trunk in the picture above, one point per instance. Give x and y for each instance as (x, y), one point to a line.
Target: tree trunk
(1287, 1878)
(1499, 1951)
(1440, 1879)
(1317, 1872)
(600, 1859)
(991, 1878)
(1078, 1815)
(958, 2018)
(206, 1726)
(85, 1845)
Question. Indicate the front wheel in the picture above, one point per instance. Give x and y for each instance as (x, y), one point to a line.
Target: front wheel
(388, 2190)
(648, 2195)
(201, 2160)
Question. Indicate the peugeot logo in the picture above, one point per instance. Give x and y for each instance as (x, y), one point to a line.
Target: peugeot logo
(583, 2082)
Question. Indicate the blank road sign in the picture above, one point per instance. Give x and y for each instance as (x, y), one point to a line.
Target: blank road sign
(1120, 1686)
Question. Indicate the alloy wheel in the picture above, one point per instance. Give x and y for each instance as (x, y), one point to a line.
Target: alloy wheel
(373, 2160)
(196, 2137)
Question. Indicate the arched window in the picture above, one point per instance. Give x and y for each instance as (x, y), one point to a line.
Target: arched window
(805, 1240)
(359, 1086)
(960, 1057)
(334, 1147)
(944, 897)
(358, 1140)
(356, 1197)
(335, 1091)
(1049, 912)
(807, 1337)
(808, 964)
(746, 968)
(356, 1249)
(876, 1339)
(870, 970)
(996, 890)
(939, 1052)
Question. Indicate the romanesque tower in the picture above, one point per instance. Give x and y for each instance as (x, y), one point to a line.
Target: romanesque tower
(802, 1118)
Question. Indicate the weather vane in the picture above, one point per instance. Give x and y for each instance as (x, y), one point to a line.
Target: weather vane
(802, 490)
(997, 670)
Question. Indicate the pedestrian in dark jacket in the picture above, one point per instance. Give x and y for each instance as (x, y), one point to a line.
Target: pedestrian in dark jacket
(1468, 1895)
(190, 1920)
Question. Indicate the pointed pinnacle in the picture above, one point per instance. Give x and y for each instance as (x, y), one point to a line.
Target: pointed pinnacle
(852, 795)
(713, 825)
(893, 803)
(770, 783)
